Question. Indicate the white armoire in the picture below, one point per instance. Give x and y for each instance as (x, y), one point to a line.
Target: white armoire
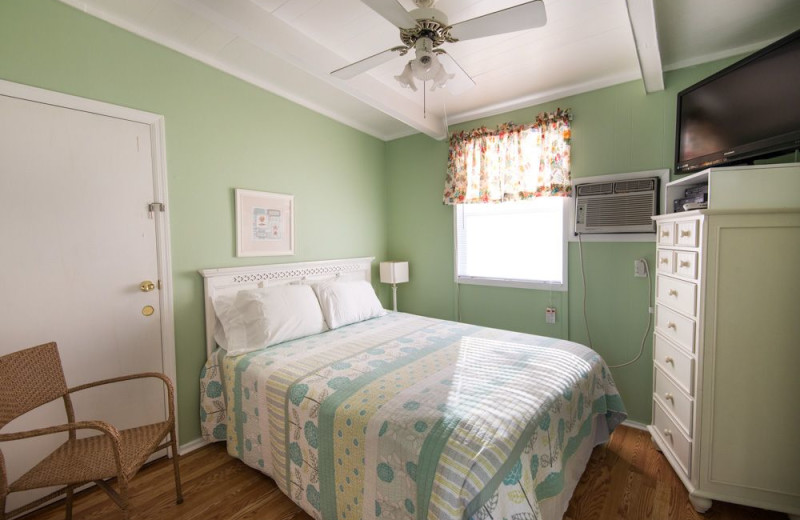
(726, 351)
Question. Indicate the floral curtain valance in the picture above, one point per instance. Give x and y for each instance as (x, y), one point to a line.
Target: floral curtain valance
(510, 163)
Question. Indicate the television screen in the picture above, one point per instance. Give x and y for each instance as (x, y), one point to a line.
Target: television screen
(746, 111)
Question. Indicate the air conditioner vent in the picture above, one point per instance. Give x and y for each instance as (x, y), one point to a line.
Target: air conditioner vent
(635, 185)
(596, 188)
(616, 207)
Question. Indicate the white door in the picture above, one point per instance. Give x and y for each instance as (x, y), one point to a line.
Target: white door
(76, 242)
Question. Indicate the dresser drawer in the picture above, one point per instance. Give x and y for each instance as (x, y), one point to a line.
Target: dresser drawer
(665, 261)
(677, 294)
(687, 233)
(666, 233)
(675, 362)
(686, 264)
(673, 438)
(675, 327)
(673, 399)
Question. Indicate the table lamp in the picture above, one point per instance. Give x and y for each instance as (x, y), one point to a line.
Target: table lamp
(394, 273)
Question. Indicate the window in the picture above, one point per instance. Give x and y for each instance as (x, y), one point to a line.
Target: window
(513, 244)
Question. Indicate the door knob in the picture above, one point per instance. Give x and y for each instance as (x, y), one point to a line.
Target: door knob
(147, 286)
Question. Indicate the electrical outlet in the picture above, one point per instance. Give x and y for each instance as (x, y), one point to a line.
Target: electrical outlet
(550, 315)
(639, 268)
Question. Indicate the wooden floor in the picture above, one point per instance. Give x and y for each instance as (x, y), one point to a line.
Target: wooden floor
(625, 479)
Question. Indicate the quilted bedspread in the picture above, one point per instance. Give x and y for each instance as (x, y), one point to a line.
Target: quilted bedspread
(410, 417)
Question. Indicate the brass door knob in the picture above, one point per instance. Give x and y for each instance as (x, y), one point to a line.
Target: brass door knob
(147, 286)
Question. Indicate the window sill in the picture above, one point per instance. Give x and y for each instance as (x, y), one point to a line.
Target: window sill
(519, 284)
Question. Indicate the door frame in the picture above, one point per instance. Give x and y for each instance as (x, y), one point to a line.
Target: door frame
(159, 168)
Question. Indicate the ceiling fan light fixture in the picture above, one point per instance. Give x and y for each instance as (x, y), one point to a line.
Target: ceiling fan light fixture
(424, 67)
(441, 78)
(406, 78)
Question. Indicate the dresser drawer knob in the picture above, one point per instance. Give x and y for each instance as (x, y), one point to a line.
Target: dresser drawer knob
(664, 260)
(665, 233)
(668, 433)
(684, 263)
(686, 233)
(669, 397)
(673, 292)
(668, 360)
(672, 325)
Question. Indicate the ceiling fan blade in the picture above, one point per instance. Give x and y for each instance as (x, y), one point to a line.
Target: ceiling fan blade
(354, 69)
(392, 11)
(524, 16)
(461, 81)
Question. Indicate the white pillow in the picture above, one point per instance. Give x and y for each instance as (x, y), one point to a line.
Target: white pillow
(344, 303)
(263, 317)
(223, 304)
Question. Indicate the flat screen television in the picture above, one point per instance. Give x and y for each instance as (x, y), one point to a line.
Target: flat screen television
(747, 111)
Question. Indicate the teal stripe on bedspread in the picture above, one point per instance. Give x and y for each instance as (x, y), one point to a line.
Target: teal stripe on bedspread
(240, 417)
(429, 460)
(482, 391)
(329, 407)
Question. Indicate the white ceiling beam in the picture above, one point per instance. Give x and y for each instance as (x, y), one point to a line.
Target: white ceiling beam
(642, 16)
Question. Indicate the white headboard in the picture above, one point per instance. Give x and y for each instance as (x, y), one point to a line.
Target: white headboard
(234, 279)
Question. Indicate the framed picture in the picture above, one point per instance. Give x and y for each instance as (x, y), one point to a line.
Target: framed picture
(264, 223)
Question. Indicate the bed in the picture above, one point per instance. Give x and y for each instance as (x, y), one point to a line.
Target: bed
(403, 416)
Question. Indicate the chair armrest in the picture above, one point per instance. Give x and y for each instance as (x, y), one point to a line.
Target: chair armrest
(157, 375)
(164, 379)
(103, 427)
(106, 429)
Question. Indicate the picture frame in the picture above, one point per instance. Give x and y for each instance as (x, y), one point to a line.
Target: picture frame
(264, 223)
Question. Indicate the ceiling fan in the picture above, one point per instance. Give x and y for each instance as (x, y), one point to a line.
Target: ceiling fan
(425, 29)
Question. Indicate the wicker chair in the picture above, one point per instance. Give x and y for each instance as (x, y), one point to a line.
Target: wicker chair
(34, 377)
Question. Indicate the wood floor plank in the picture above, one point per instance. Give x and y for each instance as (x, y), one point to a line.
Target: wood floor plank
(625, 479)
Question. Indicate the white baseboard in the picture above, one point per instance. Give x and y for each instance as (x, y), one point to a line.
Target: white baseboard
(190, 446)
(634, 424)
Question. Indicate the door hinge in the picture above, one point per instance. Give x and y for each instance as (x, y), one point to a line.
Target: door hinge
(156, 206)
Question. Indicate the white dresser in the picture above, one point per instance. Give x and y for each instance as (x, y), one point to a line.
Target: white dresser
(726, 350)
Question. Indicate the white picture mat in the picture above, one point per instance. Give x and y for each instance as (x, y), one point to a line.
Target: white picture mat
(264, 223)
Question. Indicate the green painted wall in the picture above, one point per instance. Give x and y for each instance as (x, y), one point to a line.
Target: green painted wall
(615, 130)
(221, 133)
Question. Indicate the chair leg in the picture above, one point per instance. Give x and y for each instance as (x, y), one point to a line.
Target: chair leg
(70, 490)
(123, 496)
(175, 465)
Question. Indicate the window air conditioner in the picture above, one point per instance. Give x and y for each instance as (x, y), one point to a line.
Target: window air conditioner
(616, 206)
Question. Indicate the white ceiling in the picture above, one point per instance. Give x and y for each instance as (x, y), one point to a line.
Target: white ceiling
(289, 47)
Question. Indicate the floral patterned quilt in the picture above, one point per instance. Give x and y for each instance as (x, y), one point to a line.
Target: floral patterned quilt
(406, 417)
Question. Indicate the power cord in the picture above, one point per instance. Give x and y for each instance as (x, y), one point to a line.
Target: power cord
(583, 277)
(458, 302)
(649, 320)
(649, 311)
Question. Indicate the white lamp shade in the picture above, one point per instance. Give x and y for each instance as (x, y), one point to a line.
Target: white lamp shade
(394, 272)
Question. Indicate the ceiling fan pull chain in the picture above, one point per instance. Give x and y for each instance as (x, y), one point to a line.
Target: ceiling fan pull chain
(446, 124)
